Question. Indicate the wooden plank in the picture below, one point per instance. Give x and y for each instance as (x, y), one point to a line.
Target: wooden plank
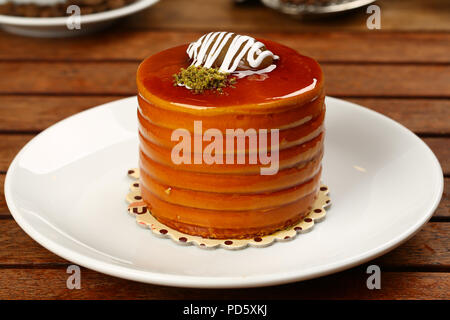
(68, 78)
(103, 78)
(3, 207)
(207, 15)
(35, 113)
(429, 248)
(422, 116)
(10, 145)
(324, 46)
(19, 248)
(51, 284)
(387, 80)
(441, 148)
(367, 47)
(443, 211)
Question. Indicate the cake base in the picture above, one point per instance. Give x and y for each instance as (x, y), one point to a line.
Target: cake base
(145, 219)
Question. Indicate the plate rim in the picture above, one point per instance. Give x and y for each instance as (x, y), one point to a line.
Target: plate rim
(190, 281)
(84, 19)
(299, 9)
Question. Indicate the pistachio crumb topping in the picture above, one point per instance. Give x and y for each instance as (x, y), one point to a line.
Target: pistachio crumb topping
(199, 79)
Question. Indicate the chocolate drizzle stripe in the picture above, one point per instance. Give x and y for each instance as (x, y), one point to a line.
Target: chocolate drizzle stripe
(207, 50)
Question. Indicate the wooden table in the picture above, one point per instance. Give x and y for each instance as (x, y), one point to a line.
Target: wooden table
(401, 71)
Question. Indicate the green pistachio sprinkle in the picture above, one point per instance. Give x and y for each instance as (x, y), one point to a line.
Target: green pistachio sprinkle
(199, 79)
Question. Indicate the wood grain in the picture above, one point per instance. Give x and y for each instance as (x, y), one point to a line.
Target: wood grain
(422, 116)
(402, 71)
(441, 148)
(19, 249)
(103, 78)
(3, 207)
(35, 113)
(428, 249)
(411, 15)
(443, 211)
(387, 80)
(119, 45)
(10, 145)
(21, 283)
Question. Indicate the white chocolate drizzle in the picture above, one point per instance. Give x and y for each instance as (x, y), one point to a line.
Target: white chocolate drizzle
(206, 50)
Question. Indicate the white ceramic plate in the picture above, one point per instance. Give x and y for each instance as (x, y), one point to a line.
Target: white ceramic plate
(57, 27)
(66, 189)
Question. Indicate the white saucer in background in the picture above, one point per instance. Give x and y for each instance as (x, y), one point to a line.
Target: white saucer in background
(57, 26)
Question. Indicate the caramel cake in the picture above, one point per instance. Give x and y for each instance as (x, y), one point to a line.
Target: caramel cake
(220, 84)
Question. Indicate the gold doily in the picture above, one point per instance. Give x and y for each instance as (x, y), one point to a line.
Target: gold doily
(144, 218)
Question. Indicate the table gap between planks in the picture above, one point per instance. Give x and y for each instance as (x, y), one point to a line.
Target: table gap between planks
(402, 71)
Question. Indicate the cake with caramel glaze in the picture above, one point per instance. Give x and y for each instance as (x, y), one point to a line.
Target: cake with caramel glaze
(270, 89)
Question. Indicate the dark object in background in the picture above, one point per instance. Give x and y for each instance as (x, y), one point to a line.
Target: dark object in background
(302, 8)
(310, 1)
(59, 9)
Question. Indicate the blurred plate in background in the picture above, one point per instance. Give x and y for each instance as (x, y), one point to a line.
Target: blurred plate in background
(315, 7)
(57, 26)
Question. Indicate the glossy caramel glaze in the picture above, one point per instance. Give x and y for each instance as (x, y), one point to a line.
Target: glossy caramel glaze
(294, 72)
(232, 200)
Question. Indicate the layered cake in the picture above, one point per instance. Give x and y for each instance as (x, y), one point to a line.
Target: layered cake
(231, 136)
